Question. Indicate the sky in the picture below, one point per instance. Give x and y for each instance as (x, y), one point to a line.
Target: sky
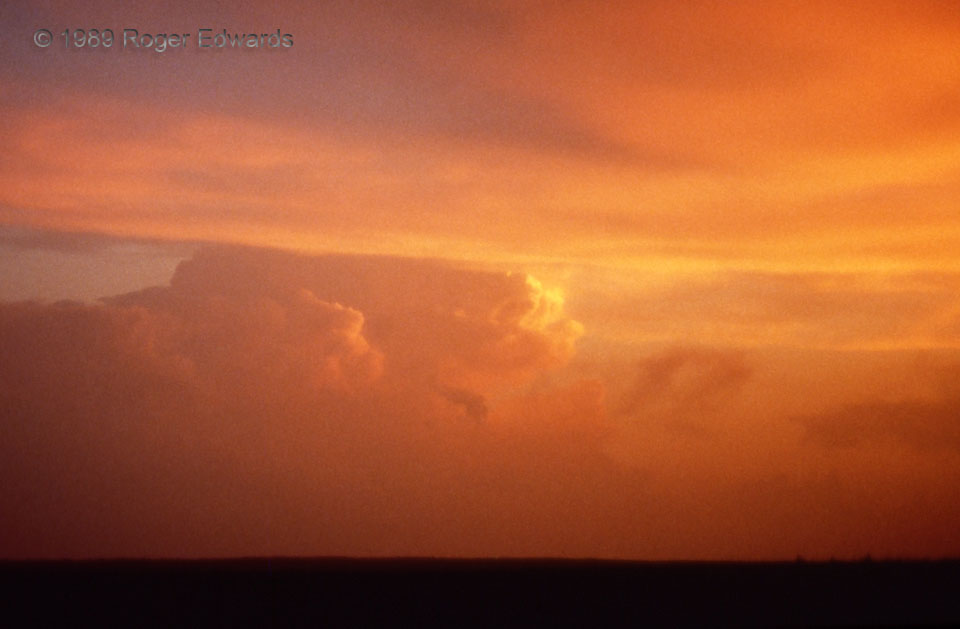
(640, 280)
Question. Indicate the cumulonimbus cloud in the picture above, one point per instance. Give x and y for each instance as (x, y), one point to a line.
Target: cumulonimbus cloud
(185, 405)
(270, 403)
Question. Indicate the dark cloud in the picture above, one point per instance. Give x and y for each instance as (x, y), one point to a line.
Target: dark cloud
(926, 425)
(682, 384)
(363, 69)
(475, 406)
(271, 403)
(19, 238)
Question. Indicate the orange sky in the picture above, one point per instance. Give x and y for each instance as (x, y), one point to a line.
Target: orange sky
(647, 280)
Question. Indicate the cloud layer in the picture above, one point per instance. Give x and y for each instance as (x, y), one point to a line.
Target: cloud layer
(723, 135)
(175, 404)
(271, 403)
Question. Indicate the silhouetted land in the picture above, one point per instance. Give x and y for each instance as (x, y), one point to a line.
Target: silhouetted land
(495, 593)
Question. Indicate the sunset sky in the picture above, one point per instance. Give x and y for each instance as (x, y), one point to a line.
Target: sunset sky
(649, 280)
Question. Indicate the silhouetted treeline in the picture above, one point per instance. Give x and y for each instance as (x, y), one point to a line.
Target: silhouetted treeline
(495, 593)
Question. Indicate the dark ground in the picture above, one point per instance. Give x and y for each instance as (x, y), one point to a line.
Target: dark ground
(494, 593)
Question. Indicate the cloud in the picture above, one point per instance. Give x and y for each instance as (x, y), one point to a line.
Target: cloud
(856, 309)
(923, 424)
(474, 405)
(271, 403)
(738, 133)
(452, 327)
(20, 238)
(263, 393)
(682, 380)
(675, 412)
